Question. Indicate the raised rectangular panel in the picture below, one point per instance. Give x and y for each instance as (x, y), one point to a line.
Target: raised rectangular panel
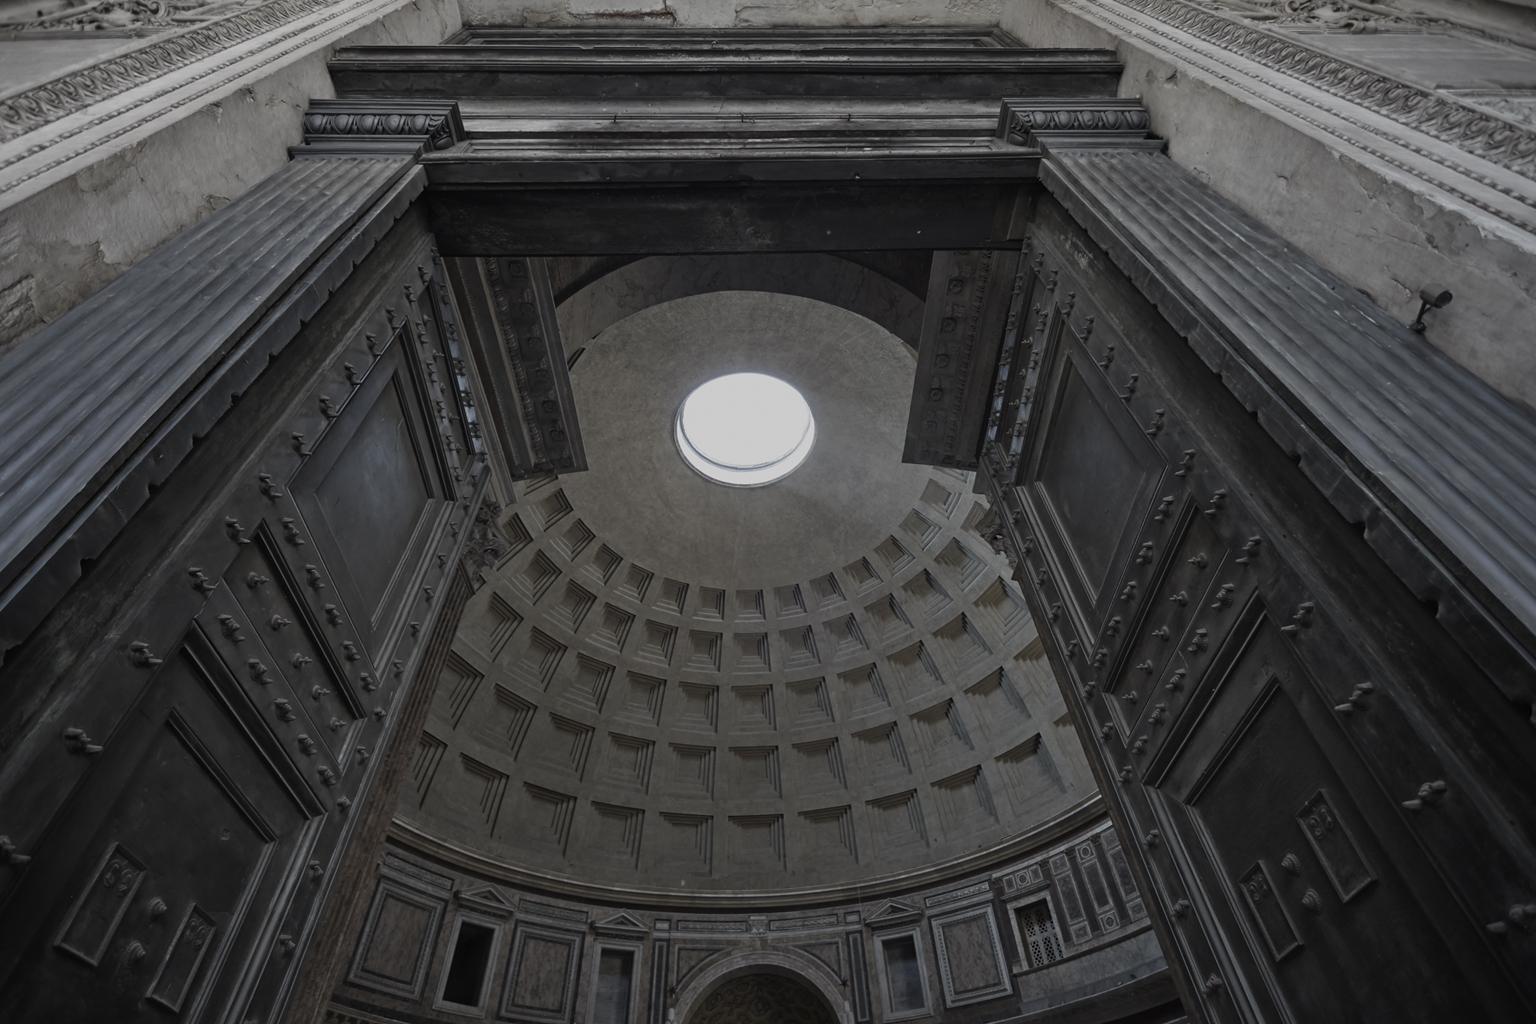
(395, 949)
(687, 842)
(863, 691)
(182, 961)
(642, 699)
(1090, 511)
(693, 770)
(1079, 930)
(265, 633)
(1125, 881)
(541, 979)
(757, 841)
(971, 964)
(699, 706)
(810, 703)
(1091, 868)
(753, 708)
(370, 489)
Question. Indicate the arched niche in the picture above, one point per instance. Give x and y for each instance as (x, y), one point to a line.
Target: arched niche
(796, 979)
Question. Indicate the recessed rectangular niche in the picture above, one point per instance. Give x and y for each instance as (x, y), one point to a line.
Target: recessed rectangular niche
(464, 983)
(674, 594)
(901, 971)
(699, 706)
(810, 702)
(605, 563)
(614, 988)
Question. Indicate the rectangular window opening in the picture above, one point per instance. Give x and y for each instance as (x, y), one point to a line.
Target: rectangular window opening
(465, 983)
(1037, 930)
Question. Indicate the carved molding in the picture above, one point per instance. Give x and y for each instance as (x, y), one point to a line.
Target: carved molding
(1025, 122)
(42, 104)
(1231, 42)
(368, 125)
(121, 16)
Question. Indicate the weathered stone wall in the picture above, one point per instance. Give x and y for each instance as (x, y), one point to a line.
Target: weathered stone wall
(72, 238)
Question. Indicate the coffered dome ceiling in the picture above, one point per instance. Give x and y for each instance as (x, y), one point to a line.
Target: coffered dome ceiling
(671, 684)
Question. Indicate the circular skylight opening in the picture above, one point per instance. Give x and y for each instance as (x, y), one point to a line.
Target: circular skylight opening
(745, 429)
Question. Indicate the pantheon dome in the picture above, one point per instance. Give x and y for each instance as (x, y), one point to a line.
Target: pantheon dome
(772, 512)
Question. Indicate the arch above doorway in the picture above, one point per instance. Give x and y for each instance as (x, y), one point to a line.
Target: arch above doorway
(788, 975)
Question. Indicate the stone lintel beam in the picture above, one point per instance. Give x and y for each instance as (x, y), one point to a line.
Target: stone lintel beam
(969, 295)
(520, 364)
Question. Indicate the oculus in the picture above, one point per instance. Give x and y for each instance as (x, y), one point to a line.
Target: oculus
(745, 429)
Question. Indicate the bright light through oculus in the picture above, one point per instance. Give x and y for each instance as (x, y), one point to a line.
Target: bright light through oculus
(745, 429)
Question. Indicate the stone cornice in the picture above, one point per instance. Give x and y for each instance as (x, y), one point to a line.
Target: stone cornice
(1076, 818)
(51, 129)
(43, 104)
(1481, 160)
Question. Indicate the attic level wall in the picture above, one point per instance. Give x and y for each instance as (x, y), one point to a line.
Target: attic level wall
(75, 235)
